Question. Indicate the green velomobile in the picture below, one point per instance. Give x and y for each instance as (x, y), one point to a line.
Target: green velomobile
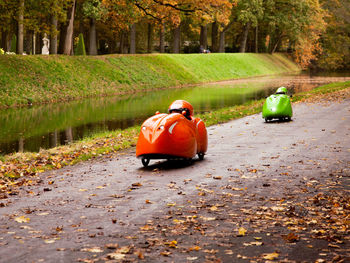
(278, 106)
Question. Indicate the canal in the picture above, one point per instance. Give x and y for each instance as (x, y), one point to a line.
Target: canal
(47, 126)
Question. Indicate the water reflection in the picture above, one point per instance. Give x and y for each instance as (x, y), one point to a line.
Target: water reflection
(47, 126)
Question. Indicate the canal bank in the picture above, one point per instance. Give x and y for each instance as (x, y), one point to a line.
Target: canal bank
(28, 80)
(30, 129)
(23, 165)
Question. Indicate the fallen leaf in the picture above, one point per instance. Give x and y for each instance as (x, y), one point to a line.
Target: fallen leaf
(49, 241)
(257, 243)
(213, 208)
(43, 214)
(196, 248)
(291, 237)
(271, 256)
(208, 218)
(277, 208)
(22, 219)
(241, 231)
(140, 255)
(116, 256)
(111, 246)
(124, 250)
(146, 228)
(172, 244)
(92, 250)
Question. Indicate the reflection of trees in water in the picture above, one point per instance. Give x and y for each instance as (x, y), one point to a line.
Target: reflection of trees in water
(21, 145)
(53, 139)
(30, 129)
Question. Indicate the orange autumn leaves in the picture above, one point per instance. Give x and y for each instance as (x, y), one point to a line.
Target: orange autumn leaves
(124, 13)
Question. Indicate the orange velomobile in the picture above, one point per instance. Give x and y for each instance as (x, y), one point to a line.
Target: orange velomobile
(177, 135)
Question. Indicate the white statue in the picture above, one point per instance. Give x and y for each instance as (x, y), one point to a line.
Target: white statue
(45, 49)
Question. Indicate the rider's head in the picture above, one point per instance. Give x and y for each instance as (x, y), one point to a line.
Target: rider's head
(181, 105)
(281, 90)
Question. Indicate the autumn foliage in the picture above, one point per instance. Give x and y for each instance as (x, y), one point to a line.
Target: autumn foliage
(314, 31)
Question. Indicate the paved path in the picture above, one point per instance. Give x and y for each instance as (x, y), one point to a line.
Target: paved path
(272, 180)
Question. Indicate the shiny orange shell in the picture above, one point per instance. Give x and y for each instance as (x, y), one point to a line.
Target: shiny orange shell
(166, 136)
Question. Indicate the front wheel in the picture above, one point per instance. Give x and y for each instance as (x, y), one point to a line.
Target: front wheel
(201, 156)
(145, 161)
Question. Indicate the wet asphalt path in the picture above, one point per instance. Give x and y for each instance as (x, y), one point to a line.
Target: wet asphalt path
(108, 200)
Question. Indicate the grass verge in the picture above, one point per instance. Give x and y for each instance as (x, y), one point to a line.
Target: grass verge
(24, 165)
(45, 79)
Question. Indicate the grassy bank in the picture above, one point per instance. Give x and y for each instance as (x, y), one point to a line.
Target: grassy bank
(25, 165)
(42, 79)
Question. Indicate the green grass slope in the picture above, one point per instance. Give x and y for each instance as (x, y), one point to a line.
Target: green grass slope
(42, 79)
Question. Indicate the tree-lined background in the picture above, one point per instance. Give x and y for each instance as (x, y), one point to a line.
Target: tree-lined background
(315, 32)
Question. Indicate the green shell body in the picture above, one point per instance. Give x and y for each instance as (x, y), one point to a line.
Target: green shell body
(277, 106)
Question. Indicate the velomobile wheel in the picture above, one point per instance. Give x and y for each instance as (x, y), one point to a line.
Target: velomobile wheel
(145, 161)
(201, 156)
(266, 120)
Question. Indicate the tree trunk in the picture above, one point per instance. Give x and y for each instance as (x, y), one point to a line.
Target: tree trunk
(4, 40)
(63, 33)
(38, 43)
(68, 42)
(20, 27)
(222, 42)
(34, 44)
(28, 42)
(53, 35)
(256, 39)
(150, 38)
(133, 39)
(276, 45)
(214, 37)
(161, 39)
(244, 38)
(121, 43)
(92, 38)
(203, 37)
(176, 39)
